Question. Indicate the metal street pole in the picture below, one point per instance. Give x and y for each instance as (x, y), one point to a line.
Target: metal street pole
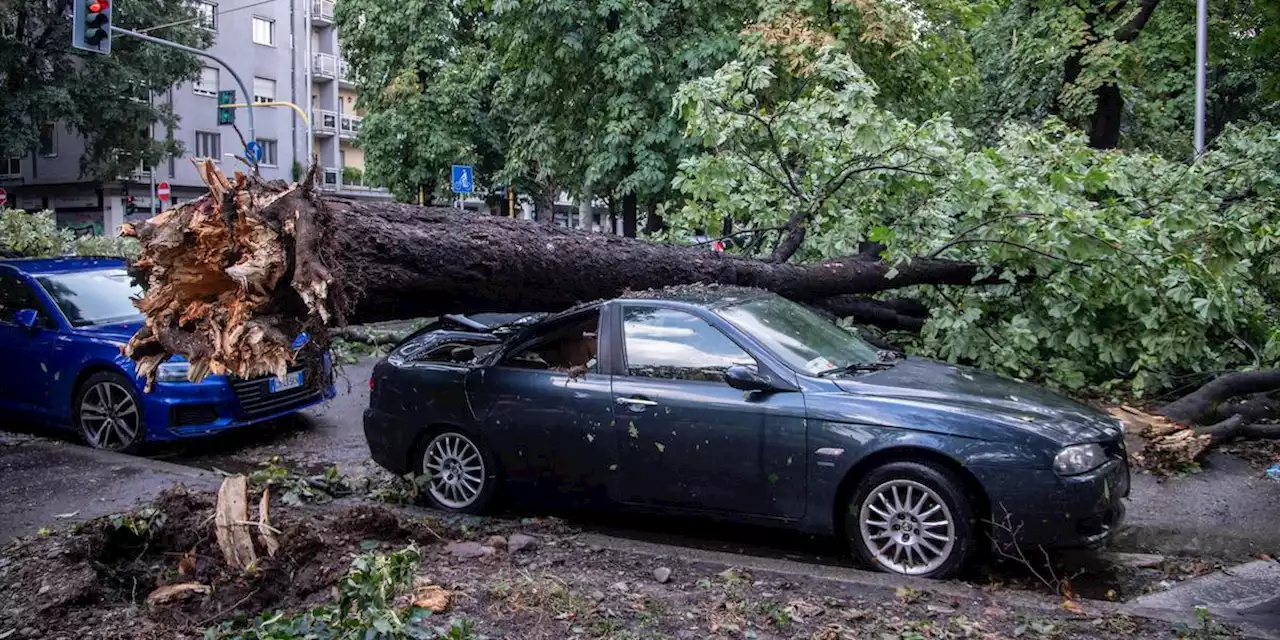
(1202, 46)
(192, 50)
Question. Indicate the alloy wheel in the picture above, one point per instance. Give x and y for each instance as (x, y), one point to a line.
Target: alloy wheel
(455, 470)
(907, 527)
(109, 417)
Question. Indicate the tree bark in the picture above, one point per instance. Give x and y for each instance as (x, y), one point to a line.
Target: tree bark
(586, 218)
(1203, 403)
(402, 261)
(653, 222)
(234, 277)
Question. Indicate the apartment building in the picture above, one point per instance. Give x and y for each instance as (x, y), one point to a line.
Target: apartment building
(283, 50)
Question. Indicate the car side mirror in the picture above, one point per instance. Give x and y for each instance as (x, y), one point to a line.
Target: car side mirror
(747, 378)
(26, 318)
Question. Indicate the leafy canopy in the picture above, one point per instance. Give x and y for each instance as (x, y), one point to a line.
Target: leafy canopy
(1119, 265)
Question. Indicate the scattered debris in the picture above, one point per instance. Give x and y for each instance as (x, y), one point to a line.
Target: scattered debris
(1170, 446)
(497, 542)
(662, 574)
(519, 542)
(231, 522)
(469, 550)
(1273, 471)
(431, 597)
(173, 592)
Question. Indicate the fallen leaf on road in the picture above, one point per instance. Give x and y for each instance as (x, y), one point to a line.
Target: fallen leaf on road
(1072, 606)
(432, 597)
(171, 592)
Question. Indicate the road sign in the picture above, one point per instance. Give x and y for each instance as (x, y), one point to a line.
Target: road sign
(253, 151)
(4, 195)
(162, 191)
(464, 178)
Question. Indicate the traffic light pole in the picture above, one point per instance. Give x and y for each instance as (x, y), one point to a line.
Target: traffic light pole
(193, 51)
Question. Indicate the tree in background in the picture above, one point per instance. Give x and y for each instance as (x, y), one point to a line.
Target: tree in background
(1123, 70)
(103, 98)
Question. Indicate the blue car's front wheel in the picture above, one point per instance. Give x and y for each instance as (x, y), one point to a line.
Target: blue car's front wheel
(108, 414)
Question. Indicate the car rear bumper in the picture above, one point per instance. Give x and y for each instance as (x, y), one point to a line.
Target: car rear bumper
(1039, 508)
(390, 441)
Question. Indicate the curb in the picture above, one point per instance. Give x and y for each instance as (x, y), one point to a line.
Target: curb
(847, 575)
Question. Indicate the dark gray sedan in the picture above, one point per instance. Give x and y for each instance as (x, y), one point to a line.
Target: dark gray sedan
(739, 405)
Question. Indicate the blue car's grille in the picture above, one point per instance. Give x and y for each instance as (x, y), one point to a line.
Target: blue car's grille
(257, 400)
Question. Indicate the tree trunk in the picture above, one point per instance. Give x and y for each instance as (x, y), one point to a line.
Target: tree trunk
(585, 216)
(629, 214)
(653, 223)
(233, 278)
(544, 206)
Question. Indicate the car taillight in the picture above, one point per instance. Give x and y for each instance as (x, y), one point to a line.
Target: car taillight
(371, 383)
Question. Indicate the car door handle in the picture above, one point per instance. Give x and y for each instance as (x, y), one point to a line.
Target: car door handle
(634, 401)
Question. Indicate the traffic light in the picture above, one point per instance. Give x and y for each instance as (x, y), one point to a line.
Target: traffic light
(226, 115)
(91, 25)
(130, 206)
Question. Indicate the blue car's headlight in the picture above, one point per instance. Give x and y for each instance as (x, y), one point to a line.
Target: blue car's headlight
(173, 372)
(1078, 459)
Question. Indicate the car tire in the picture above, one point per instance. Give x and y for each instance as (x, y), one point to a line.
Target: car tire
(451, 461)
(912, 518)
(107, 413)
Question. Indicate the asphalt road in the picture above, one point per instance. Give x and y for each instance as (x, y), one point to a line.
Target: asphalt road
(1185, 515)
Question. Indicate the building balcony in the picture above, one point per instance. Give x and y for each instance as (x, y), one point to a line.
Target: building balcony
(322, 12)
(332, 180)
(349, 126)
(345, 77)
(324, 66)
(324, 122)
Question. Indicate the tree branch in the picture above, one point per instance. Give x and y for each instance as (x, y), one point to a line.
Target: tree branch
(1132, 28)
(1024, 247)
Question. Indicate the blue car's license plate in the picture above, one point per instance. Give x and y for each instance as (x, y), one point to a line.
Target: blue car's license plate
(290, 381)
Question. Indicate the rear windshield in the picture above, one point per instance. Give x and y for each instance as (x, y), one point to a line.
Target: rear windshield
(102, 296)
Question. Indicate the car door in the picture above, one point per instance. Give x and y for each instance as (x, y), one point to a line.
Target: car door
(545, 406)
(689, 440)
(26, 375)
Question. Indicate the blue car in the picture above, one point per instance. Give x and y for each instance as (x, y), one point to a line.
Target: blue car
(63, 322)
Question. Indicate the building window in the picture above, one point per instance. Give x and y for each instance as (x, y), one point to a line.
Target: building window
(208, 145)
(11, 168)
(49, 141)
(208, 13)
(264, 90)
(269, 152)
(264, 31)
(207, 84)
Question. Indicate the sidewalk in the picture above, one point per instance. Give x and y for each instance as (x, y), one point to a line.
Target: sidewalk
(45, 480)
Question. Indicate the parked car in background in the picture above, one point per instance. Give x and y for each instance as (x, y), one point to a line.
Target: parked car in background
(738, 405)
(63, 322)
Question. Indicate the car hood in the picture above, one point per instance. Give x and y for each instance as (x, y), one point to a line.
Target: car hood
(116, 332)
(1023, 406)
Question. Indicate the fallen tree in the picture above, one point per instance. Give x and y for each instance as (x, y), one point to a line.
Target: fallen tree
(235, 277)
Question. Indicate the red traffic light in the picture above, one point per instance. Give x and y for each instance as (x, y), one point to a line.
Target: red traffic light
(96, 6)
